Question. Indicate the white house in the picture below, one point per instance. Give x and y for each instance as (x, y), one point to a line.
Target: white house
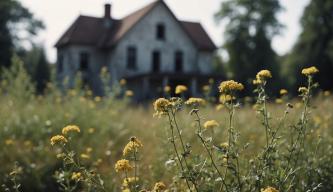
(150, 48)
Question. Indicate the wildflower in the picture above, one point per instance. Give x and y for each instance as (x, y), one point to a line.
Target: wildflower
(310, 71)
(303, 90)
(263, 75)
(210, 80)
(229, 86)
(161, 106)
(85, 156)
(70, 128)
(167, 89)
(91, 130)
(98, 99)
(9, 141)
(269, 189)
(283, 92)
(131, 146)
(225, 98)
(104, 70)
(180, 89)
(89, 149)
(224, 145)
(257, 82)
(219, 107)
(278, 101)
(122, 82)
(58, 139)
(211, 124)
(206, 88)
(327, 93)
(129, 93)
(159, 186)
(60, 155)
(123, 165)
(76, 176)
(195, 101)
(128, 181)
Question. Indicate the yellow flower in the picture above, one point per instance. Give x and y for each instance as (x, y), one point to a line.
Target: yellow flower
(269, 189)
(159, 186)
(283, 92)
(229, 86)
(130, 180)
(167, 89)
(195, 101)
(180, 89)
(257, 82)
(91, 130)
(89, 149)
(224, 145)
(206, 88)
(58, 139)
(327, 93)
(278, 101)
(123, 165)
(133, 145)
(70, 128)
(219, 107)
(122, 82)
(9, 141)
(129, 93)
(211, 124)
(303, 90)
(161, 106)
(310, 71)
(263, 75)
(225, 98)
(76, 176)
(85, 156)
(98, 99)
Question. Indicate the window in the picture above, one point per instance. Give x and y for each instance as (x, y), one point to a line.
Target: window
(160, 32)
(156, 61)
(60, 66)
(84, 61)
(131, 58)
(179, 61)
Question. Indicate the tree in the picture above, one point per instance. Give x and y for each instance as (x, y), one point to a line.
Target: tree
(14, 18)
(314, 45)
(251, 25)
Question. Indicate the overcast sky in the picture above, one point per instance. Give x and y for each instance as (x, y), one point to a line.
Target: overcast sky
(58, 15)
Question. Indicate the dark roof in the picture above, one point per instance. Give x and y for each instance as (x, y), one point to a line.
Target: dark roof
(92, 30)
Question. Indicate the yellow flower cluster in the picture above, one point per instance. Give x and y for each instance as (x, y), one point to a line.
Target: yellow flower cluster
(195, 101)
(129, 93)
(302, 89)
(263, 75)
(123, 165)
(229, 86)
(206, 88)
(58, 139)
(133, 145)
(283, 92)
(76, 176)
(310, 71)
(122, 82)
(211, 124)
(161, 106)
(180, 89)
(159, 186)
(167, 89)
(224, 145)
(128, 181)
(269, 189)
(70, 128)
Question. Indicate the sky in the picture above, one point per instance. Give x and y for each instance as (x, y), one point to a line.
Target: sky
(58, 15)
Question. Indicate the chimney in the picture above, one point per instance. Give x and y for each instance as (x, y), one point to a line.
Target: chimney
(107, 11)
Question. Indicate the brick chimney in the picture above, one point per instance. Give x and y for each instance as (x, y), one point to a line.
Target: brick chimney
(107, 11)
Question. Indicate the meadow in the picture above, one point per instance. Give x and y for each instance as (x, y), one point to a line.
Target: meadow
(172, 144)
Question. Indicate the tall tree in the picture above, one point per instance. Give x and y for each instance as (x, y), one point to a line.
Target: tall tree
(15, 21)
(250, 27)
(314, 45)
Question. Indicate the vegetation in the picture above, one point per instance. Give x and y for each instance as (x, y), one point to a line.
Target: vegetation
(74, 141)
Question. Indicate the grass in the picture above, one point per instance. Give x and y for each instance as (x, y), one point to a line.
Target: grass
(29, 162)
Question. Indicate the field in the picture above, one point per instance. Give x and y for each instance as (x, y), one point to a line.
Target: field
(283, 145)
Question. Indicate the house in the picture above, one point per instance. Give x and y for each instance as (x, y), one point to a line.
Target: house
(150, 48)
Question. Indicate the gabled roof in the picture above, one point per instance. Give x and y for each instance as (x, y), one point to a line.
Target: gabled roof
(92, 30)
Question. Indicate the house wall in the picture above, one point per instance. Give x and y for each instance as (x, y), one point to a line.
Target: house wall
(205, 62)
(71, 62)
(143, 37)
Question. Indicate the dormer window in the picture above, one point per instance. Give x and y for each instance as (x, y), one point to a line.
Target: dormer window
(160, 32)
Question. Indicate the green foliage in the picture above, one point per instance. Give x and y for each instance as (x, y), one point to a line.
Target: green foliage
(314, 46)
(250, 27)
